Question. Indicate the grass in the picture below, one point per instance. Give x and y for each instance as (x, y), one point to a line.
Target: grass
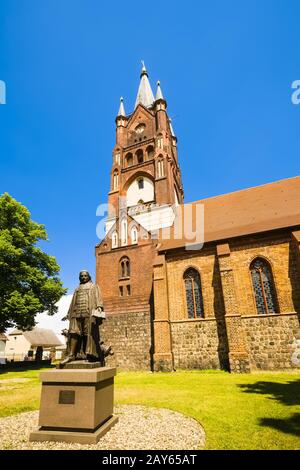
(15, 396)
(238, 411)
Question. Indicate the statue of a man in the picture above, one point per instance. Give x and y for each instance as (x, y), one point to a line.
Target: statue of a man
(85, 316)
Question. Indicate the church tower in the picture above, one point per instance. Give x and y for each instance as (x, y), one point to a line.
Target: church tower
(145, 187)
(145, 167)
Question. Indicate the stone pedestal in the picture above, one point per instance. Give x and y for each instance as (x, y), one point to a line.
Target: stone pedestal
(76, 405)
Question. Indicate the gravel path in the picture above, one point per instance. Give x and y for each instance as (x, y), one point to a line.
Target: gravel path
(139, 427)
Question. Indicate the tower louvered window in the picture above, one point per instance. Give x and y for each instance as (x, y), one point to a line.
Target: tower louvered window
(193, 293)
(263, 286)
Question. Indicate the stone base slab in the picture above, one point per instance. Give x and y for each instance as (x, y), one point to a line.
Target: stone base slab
(80, 437)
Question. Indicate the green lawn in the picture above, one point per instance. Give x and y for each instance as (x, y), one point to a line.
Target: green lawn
(237, 411)
(16, 396)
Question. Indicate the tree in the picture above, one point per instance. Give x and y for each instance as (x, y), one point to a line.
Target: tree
(29, 282)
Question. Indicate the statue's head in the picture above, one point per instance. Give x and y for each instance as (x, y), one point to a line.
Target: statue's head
(84, 277)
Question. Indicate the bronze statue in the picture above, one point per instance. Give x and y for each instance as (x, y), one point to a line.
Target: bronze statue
(85, 315)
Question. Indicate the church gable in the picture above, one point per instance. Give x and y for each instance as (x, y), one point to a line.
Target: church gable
(139, 115)
(124, 232)
(140, 127)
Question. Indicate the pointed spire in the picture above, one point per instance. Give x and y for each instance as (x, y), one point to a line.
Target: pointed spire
(144, 70)
(145, 94)
(121, 109)
(159, 95)
(171, 128)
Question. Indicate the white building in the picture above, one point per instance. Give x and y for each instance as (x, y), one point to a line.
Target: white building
(3, 340)
(30, 345)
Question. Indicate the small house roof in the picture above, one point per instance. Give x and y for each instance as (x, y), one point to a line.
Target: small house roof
(39, 337)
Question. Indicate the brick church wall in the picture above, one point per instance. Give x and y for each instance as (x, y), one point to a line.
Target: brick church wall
(205, 263)
(130, 337)
(273, 341)
(140, 280)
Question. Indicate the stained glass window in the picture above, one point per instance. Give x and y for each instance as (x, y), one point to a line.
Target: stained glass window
(263, 286)
(193, 293)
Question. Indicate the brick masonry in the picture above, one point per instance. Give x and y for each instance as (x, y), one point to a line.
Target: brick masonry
(278, 251)
(232, 334)
(281, 254)
(130, 337)
(238, 339)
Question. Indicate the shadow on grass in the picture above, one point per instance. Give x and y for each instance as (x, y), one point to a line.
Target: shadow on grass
(286, 393)
(289, 425)
(26, 368)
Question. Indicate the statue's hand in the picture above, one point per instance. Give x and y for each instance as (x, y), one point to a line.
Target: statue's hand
(98, 313)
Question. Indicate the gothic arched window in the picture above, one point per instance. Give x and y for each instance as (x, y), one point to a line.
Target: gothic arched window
(116, 180)
(114, 240)
(193, 292)
(139, 156)
(160, 168)
(118, 158)
(263, 286)
(150, 152)
(134, 235)
(160, 142)
(129, 159)
(124, 267)
(140, 182)
(124, 232)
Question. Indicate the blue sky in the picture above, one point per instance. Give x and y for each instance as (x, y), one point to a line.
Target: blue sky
(226, 70)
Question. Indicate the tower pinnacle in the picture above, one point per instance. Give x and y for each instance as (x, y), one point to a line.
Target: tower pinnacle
(159, 95)
(145, 94)
(121, 109)
(144, 70)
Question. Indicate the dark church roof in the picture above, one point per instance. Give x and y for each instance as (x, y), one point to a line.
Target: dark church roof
(249, 211)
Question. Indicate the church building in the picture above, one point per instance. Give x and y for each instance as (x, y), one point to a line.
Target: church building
(213, 284)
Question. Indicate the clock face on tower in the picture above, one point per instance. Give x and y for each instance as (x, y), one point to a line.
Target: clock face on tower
(140, 128)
